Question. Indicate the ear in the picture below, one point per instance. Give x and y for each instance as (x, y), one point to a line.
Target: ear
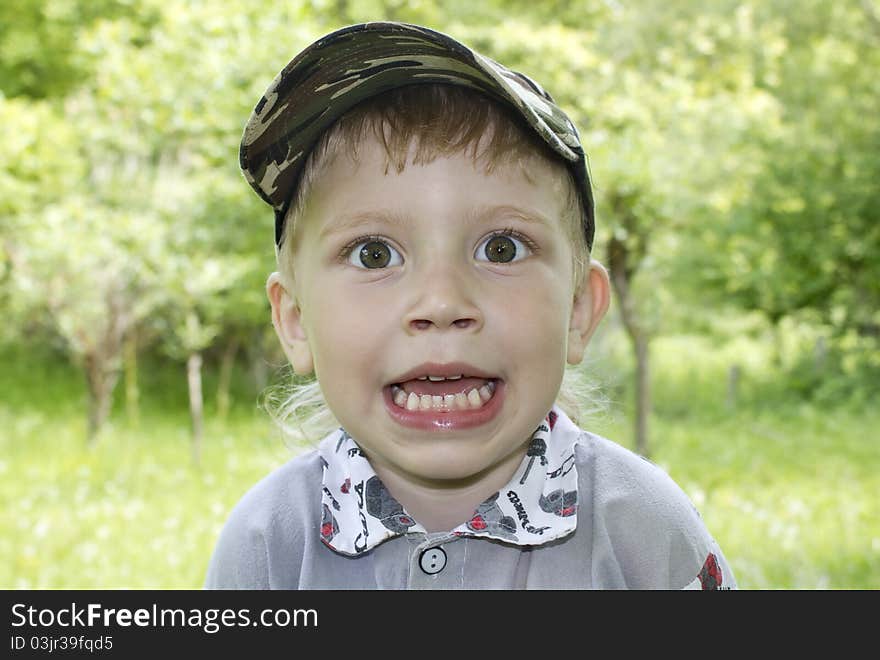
(591, 301)
(288, 323)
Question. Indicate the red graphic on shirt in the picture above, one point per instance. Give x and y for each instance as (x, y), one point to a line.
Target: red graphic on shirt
(346, 485)
(329, 526)
(477, 523)
(489, 518)
(710, 574)
(551, 419)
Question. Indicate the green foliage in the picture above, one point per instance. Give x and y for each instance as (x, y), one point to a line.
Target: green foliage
(39, 57)
(807, 236)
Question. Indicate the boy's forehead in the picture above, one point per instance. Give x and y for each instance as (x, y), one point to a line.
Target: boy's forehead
(350, 192)
(328, 225)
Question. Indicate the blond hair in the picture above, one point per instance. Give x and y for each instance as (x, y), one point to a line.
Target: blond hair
(423, 122)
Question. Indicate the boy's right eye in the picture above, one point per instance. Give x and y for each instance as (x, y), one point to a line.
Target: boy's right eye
(374, 253)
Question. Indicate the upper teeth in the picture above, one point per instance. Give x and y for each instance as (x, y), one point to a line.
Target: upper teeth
(439, 378)
(474, 398)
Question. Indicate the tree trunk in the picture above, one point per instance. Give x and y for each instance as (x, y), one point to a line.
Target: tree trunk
(257, 360)
(132, 391)
(101, 356)
(778, 356)
(643, 391)
(641, 348)
(194, 379)
(622, 270)
(101, 378)
(733, 375)
(820, 354)
(227, 362)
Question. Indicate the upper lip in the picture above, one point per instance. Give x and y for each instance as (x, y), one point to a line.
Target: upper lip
(444, 369)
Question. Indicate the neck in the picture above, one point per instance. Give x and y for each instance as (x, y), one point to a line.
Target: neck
(443, 505)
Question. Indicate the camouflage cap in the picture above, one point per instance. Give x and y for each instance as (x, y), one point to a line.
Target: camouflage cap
(350, 65)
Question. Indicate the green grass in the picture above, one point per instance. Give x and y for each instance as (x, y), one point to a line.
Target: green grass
(132, 512)
(788, 488)
(791, 497)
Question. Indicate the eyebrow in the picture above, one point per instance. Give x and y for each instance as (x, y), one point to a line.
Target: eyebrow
(346, 222)
(480, 213)
(525, 214)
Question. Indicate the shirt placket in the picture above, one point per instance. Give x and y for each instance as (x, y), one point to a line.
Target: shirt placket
(437, 562)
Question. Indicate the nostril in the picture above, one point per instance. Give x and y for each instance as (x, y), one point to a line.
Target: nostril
(424, 324)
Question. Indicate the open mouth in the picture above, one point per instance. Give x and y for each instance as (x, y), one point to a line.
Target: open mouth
(443, 393)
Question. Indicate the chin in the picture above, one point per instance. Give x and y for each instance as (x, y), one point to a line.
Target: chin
(436, 469)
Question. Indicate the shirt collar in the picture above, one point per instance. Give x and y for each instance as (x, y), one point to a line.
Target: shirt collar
(538, 505)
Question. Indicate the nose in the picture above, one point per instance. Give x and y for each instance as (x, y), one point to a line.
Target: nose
(444, 299)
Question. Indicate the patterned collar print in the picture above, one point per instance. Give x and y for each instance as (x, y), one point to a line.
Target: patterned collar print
(537, 505)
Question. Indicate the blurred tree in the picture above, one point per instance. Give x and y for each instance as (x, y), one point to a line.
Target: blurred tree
(206, 293)
(806, 239)
(153, 211)
(79, 265)
(31, 176)
(675, 116)
(39, 57)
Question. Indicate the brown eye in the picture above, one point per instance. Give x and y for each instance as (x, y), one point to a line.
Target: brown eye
(501, 249)
(374, 254)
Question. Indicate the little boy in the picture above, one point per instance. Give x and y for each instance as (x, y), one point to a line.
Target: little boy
(433, 228)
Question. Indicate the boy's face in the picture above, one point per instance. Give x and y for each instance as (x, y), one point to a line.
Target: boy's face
(440, 270)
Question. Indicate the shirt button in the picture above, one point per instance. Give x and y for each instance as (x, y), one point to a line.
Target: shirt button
(432, 560)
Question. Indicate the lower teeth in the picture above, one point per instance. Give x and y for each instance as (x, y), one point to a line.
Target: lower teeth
(474, 399)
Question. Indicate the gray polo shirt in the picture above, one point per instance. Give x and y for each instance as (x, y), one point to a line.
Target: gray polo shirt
(581, 512)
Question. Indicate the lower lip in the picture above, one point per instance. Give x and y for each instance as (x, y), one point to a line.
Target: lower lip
(452, 420)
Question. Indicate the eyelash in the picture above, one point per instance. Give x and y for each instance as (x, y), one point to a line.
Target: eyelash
(346, 251)
(513, 233)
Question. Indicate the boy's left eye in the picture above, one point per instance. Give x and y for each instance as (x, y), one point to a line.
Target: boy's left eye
(502, 248)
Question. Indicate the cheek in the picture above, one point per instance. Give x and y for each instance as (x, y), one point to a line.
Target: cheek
(345, 330)
(535, 323)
